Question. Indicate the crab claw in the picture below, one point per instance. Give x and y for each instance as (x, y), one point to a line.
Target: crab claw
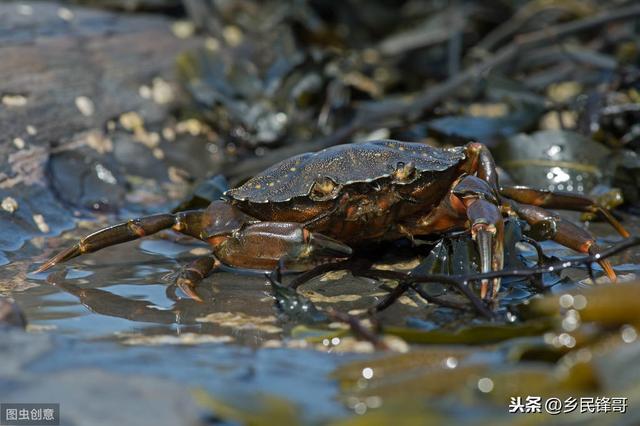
(478, 199)
(321, 245)
(262, 245)
(490, 250)
(483, 239)
(487, 231)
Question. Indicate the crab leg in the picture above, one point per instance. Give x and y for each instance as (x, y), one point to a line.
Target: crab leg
(561, 231)
(563, 201)
(184, 222)
(191, 274)
(258, 245)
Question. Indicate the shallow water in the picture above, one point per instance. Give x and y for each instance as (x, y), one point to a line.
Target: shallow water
(115, 311)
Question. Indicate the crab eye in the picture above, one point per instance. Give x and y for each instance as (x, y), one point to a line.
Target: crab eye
(323, 188)
(405, 173)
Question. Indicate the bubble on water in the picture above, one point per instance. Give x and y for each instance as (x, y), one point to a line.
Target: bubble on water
(367, 373)
(360, 408)
(566, 301)
(628, 334)
(567, 340)
(485, 385)
(571, 321)
(451, 362)
(579, 301)
(554, 150)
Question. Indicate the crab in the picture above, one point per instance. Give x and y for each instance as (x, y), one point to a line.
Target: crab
(318, 207)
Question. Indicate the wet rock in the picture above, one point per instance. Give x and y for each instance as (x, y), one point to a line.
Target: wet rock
(555, 160)
(107, 70)
(68, 73)
(38, 213)
(88, 182)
